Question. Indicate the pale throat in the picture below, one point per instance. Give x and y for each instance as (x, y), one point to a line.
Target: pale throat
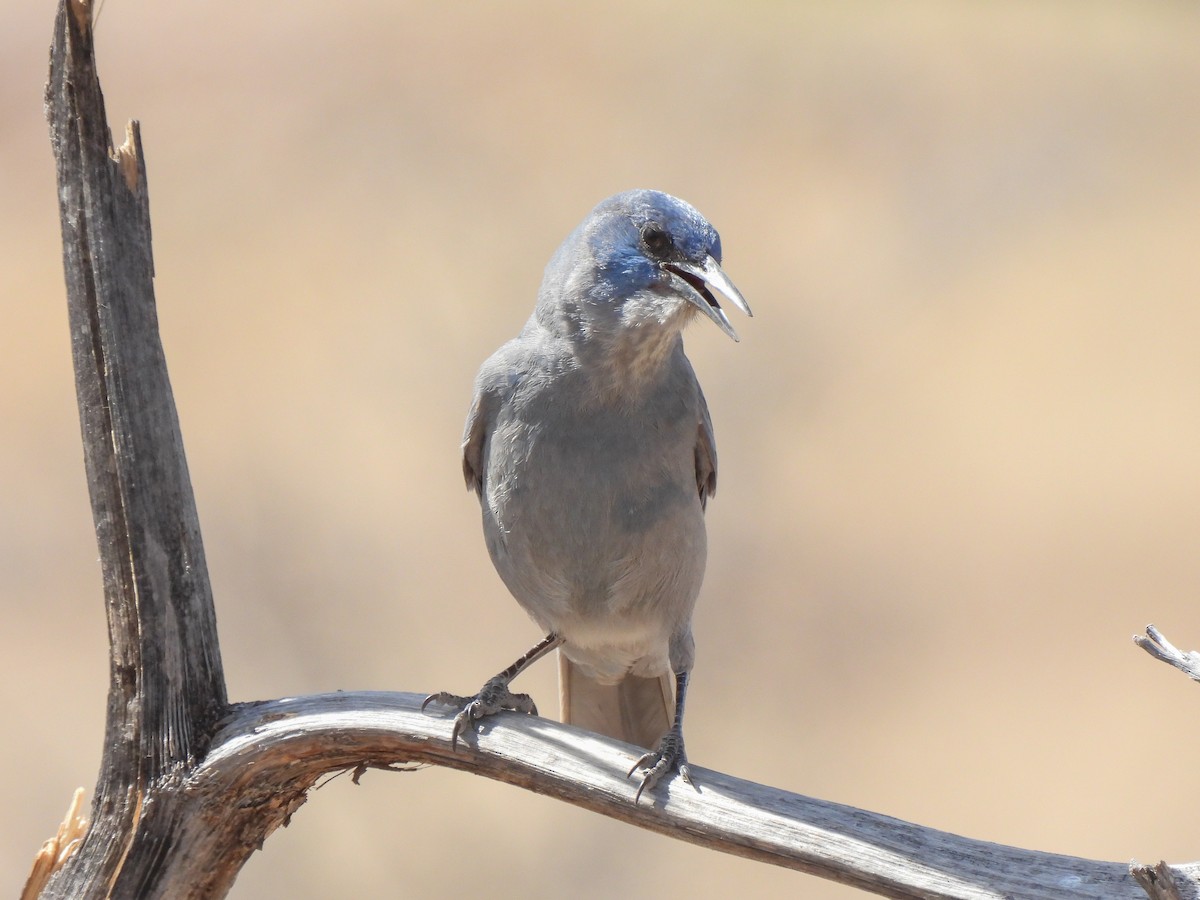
(634, 354)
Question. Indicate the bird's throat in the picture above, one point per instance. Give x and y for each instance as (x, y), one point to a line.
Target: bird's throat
(633, 359)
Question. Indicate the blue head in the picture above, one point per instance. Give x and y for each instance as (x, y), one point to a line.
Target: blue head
(641, 261)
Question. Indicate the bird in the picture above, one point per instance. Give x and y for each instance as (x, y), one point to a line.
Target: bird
(590, 447)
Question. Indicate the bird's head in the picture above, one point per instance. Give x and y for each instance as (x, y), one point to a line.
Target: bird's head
(642, 261)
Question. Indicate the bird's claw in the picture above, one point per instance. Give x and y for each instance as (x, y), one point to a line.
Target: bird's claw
(492, 698)
(670, 756)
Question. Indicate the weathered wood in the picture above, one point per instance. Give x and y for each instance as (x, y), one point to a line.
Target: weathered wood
(267, 755)
(56, 851)
(1157, 645)
(189, 787)
(166, 687)
(1158, 881)
(289, 743)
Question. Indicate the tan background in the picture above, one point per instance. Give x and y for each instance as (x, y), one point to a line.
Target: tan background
(958, 442)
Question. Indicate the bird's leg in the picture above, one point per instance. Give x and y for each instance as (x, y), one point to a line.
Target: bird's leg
(494, 696)
(670, 754)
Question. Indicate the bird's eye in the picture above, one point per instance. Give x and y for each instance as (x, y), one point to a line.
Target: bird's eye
(657, 241)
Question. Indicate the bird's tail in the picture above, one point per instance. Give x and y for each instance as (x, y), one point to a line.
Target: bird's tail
(635, 709)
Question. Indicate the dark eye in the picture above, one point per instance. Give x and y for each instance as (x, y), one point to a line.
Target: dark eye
(657, 241)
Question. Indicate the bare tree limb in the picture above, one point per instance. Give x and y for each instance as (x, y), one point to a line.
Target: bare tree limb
(267, 756)
(291, 742)
(1156, 644)
(166, 688)
(189, 786)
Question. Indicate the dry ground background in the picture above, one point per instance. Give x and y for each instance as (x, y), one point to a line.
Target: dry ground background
(958, 443)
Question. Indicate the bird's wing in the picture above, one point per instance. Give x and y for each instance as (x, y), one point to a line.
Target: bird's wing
(706, 453)
(475, 435)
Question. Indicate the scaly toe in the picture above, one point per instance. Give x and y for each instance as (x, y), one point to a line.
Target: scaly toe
(492, 698)
(443, 698)
(669, 756)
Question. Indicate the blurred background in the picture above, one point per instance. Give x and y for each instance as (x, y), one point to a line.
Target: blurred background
(958, 441)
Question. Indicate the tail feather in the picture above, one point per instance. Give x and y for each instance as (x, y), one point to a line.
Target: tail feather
(635, 709)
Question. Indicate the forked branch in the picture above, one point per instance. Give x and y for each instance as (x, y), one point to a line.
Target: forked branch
(190, 786)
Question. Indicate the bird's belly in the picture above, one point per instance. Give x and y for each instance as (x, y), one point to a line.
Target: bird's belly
(603, 547)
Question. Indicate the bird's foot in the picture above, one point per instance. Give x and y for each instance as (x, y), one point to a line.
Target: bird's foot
(492, 698)
(670, 756)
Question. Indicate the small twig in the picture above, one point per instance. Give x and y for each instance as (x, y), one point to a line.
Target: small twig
(357, 772)
(1154, 643)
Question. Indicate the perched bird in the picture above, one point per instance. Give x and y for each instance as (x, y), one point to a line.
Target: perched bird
(590, 446)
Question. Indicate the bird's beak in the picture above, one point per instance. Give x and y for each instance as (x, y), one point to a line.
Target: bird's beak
(700, 278)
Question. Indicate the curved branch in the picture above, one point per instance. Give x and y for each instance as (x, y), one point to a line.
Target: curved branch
(267, 755)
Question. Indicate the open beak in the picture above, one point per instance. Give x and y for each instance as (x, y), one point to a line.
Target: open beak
(703, 279)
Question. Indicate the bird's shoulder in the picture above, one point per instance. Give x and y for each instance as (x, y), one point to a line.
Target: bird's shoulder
(534, 360)
(520, 369)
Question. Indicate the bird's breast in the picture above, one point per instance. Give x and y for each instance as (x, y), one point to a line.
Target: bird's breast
(591, 511)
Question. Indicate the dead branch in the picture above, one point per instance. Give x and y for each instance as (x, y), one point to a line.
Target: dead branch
(189, 786)
(1156, 644)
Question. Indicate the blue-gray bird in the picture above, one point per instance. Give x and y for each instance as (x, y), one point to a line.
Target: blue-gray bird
(590, 446)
